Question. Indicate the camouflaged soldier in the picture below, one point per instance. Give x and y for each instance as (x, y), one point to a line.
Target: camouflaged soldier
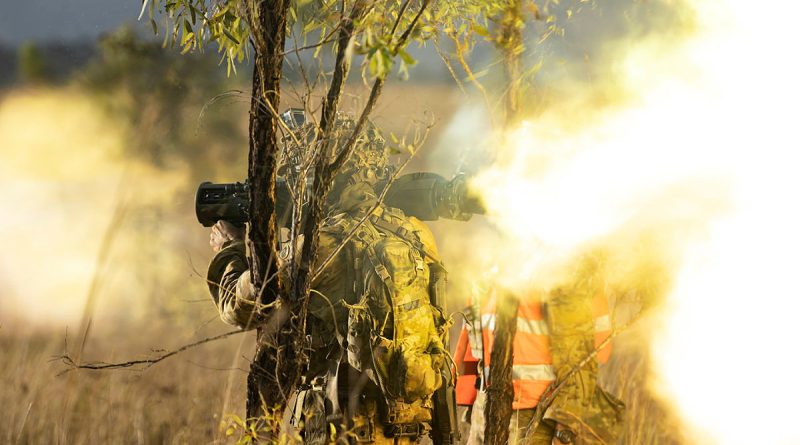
(377, 353)
(556, 332)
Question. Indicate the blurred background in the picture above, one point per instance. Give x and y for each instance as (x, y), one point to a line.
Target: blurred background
(104, 137)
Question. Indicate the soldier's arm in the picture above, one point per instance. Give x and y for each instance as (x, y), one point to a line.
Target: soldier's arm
(229, 284)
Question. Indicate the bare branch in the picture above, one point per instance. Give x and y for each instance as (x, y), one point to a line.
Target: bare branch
(73, 365)
(327, 39)
(470, 75)
(448, 64)
(411, 26)
(340, 70)
(213, 101)
(377, 87)
(400, 13)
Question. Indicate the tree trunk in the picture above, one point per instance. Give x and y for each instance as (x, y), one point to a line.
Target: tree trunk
(270, 368)
(500, 392)
(279, 362)
(279, 359)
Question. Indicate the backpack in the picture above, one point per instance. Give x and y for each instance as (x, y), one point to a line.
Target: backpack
(394, 334)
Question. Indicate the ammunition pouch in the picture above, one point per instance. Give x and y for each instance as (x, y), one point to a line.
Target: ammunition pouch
(308, 414)
(363, 429)
(400, 413)
(413, 430)
(445, 421)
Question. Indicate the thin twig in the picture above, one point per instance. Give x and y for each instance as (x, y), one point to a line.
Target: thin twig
(470, 74)
(327, 39)
(399, 14)
(213, 101)
(213, 368)
(404, 37)
(69, 361)
(448, 64)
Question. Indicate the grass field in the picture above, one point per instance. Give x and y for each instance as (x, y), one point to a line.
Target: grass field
(184, 400)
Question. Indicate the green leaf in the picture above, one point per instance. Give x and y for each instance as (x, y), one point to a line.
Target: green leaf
(480, 30)
(231, 57)
(373, 65)
(386, 62)
(221, 13)
(230, 36)
(406, 57)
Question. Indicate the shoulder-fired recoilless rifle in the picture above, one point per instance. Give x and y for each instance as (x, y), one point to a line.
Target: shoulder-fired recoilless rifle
(426, 196)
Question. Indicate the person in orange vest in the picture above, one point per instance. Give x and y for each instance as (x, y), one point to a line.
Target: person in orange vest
(556, 331)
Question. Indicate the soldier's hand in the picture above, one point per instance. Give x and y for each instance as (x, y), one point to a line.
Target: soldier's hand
(222, 232)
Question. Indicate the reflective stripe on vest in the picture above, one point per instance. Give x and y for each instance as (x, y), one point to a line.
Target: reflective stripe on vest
(602, 323)
(538, 327)
(530, 372)
(533, 372)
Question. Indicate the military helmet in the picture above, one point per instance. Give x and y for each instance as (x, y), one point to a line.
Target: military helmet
(369, 161)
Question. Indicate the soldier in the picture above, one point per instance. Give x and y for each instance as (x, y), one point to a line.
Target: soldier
(555, 333)
(376, 333)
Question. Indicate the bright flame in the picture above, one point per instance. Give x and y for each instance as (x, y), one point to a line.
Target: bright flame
(699, 159)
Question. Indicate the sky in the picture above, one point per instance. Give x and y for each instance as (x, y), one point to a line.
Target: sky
(62, 20)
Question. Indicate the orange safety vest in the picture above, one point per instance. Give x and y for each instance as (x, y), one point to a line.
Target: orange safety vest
(532, 370)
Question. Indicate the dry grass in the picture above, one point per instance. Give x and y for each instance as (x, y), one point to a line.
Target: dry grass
(179, 401)
(184, 399)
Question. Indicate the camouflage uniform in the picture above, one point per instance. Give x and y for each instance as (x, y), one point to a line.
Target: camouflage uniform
(359, 399)
(581, 405)
(594, 415)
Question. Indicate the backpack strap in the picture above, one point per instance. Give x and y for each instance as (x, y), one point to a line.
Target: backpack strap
(402, 233)
(386, 278)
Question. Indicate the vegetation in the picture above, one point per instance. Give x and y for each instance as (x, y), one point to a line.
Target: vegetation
(30, 64)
